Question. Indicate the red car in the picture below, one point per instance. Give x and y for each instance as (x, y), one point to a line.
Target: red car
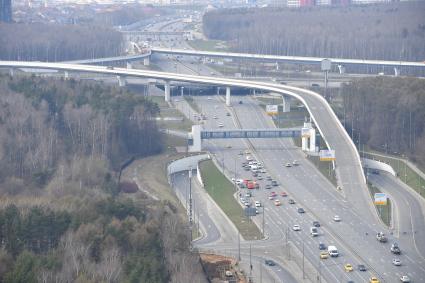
(273, 194)
(283, 194)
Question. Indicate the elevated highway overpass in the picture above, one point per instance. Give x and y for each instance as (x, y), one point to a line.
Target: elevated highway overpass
(348, 165)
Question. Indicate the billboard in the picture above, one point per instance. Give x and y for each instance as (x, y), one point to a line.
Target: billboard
(327, 155)
(380, 199)
(272, 109)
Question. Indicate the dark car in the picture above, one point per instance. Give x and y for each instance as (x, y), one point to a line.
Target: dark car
(291, 201)
(301, 210)
(322, 246)
(270, 262)
(316, 224)
(274, 183)
(240, 102)
(361, 267)
(268, 186)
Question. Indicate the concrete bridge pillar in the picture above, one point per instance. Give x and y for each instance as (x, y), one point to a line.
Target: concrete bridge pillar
(228, 96)
(167, 91)
(146, 61)
(195, 142)
(286, 104)
(66, 75)
(129, 65)
(11, 72)
(121, 81)
(308, 138)
(396, 72)
(341, 69)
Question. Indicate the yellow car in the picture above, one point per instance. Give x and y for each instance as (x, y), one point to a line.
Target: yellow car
(373, 280)
(348, 267)
(324, 255)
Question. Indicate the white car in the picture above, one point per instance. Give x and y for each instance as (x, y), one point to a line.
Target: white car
(220, 125)
(288, 165)
(397, 262)
(337, 218)
(296, 227)
(405, 279)
(247, 204)
(257, 203)
(209, 98)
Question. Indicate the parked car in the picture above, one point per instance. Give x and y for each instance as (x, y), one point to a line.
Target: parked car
(361, 267)
(296, 227)
(397, 262)
(337, 218)
(291, 201)
(270, 262)
(301, 210)
(316, 224)
(322, 246)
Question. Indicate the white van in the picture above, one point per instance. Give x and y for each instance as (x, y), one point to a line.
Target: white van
(314, 232)
(333, 251)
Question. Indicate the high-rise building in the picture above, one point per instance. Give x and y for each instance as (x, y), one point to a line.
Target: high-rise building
(6, 11)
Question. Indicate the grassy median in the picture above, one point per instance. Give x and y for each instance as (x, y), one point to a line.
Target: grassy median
(384, 211)
(222, 190)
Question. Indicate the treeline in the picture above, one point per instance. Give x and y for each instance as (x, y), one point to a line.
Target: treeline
(387, 114)
(46, 122)
(51, 42)
(393, 31)
(63, 215)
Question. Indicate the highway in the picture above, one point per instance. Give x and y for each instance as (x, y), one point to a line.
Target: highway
(315, 194)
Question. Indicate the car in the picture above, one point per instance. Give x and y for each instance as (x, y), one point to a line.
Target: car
(262, 170)
(348, 267)
(242, 200)
(254, 174)
(397, 262)
(337, 218)
(109, 67)
(269, 178)
(215, 117)
(240, 153)
(288, 165)
(373, 279)
(361, 267)
(300, 210)
(322, 247)
(316, 223)
(271, 197)
(220, 125)
(277, 202)
(274, 183)
(247, 203)
(295, 163)
(273, 194)
(269, 262)
(227, 114)
(283, 194)
(240, 102)
(405, 278)
(248, 195)
(395, 249)
(324, 255)
(296, 227)
(257, 203)
(268, 186)
(259, 177)
(209, 98)
(291, 201)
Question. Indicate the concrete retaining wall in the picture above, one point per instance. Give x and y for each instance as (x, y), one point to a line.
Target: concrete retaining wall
(374, 164)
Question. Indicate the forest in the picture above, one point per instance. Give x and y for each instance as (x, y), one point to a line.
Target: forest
(390, 31)
(386, 114)
(63, 215)
(52, 42)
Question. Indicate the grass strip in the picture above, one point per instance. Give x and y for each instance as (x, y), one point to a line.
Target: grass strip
(192, 103)
(384, 211)
(221, 190)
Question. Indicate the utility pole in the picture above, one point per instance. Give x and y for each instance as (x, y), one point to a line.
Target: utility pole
(250, 263)
(190, 196)
(303, 262)
(239, 245)
(264, 212)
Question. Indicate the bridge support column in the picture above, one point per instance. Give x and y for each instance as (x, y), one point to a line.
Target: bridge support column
(66, 75)
(308, 138)
(121, 81)
(218, 90)
(228, 96)
(194, 141)
(129, 65)
(341, 69)
(11, 72)
(286, 104)
(146, 61)
(396, 72)
(167, 91)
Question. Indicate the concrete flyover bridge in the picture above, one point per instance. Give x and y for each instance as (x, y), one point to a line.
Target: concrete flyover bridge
(348, 165)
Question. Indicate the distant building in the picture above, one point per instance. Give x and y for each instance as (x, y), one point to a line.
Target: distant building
(6, 11)
(293, 3)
